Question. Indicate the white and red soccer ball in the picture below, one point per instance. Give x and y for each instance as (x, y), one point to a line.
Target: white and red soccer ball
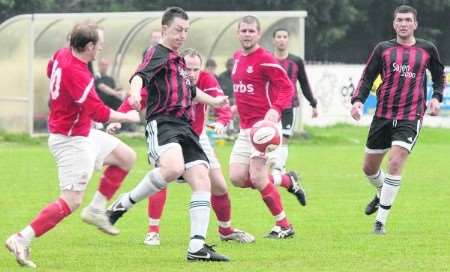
(265, 136)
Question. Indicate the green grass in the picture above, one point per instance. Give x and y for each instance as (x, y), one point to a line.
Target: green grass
(333, 234)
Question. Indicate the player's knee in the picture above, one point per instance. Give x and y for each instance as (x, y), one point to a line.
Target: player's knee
(395, 165)
(127, 158)
(173, 172)
(370, 170)
(237, 180)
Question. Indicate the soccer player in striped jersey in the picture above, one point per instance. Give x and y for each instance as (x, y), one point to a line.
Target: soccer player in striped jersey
(77, 148)
(262, 90)
(402, 63)
(295, 69)
(173, 147)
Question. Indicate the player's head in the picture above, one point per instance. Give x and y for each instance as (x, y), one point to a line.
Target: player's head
(155, 37)
(193, 61)
(211, 66)
(103, 66)
(229, 65)
(405, 21)
(280, 39)
(249, 32)
(87, 38)
(175, 26)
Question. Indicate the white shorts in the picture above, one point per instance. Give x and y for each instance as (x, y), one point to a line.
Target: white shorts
(209, 151)
(77, 157)
(243, 149)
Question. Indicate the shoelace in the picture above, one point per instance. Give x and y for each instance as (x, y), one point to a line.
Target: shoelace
(210, 247)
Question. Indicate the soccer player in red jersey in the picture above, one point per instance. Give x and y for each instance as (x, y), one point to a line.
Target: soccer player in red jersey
(77, 148)
(262, 90)
(402, 63)
(162, 81)
(295, 69)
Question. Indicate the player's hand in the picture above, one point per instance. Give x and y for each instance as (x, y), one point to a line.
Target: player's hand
(135, 100)
(315, 113)
(272, 115)
(356, 110)
(435, 107)
(219, 128)
(219, 101)
(113, 128)
(133, 116)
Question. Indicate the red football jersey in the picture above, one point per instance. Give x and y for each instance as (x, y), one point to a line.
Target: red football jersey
(259, 83)
(73, 100)
(208, 84)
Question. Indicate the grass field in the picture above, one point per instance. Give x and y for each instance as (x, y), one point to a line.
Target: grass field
(333, 234)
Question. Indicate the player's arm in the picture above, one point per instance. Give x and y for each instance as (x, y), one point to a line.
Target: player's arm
(438, 77)
(215, 102)
(304, 84)
(372, 69)
(282, 85)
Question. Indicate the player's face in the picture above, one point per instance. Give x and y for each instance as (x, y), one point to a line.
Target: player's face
(176, 33)
(193, 65)
(248, 35)
(281, 40)
(98, 47)
(405, 25)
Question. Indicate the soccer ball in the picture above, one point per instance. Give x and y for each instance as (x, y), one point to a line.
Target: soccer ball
(265, 136)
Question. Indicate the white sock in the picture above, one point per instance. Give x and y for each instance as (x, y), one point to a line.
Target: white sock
(389, 191)
(199, 209)
(152, 183)
(377, 180)
(27, 234)
(98, 202)
(276, 174)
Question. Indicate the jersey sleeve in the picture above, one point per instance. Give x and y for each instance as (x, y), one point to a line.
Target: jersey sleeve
(371, 71)
(437, 73)
(81, 88)
(150, 66)
(126, 106)
(279, 82)
(304, 83)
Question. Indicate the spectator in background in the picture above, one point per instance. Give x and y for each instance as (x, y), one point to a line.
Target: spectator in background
(225, 80)
(106, 86)
(210, 67)
(155, 37)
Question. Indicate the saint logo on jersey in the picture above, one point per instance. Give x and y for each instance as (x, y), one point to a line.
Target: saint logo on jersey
(184, 74)
(243, 88)
(404, 70)
(249, 69)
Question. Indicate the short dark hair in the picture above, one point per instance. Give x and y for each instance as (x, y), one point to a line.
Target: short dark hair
(82, 34)
(191, 52)
(280, 29)
(210, 63)
(249, 19)
(405, 9)
(171, 13)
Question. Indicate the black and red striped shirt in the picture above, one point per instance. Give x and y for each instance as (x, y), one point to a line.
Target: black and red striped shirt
(402, 94)
(295, 69)
(164, 76)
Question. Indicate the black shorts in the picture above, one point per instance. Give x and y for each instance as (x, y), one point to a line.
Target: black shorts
(288, 122)
(384, 133)
(164, 131)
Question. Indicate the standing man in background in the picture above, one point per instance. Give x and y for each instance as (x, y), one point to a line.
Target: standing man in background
(295, 69)
(401, 104)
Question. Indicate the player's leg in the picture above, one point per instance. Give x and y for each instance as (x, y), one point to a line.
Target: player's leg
(377, 145)
(240, 161)
(118, 158)
(75, 163)
(166, 154)
(404, 136)
(271, 197)
(197, 176)
(155, 209)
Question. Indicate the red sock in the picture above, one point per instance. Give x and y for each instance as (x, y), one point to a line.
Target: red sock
(285, 181)
(50, 216)
(271, 197)
(111, 180)
(155, 208)
(222, 208)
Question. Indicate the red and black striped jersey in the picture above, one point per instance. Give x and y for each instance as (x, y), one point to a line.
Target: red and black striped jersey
(165, 79)
(295, 68)
(402, 94)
